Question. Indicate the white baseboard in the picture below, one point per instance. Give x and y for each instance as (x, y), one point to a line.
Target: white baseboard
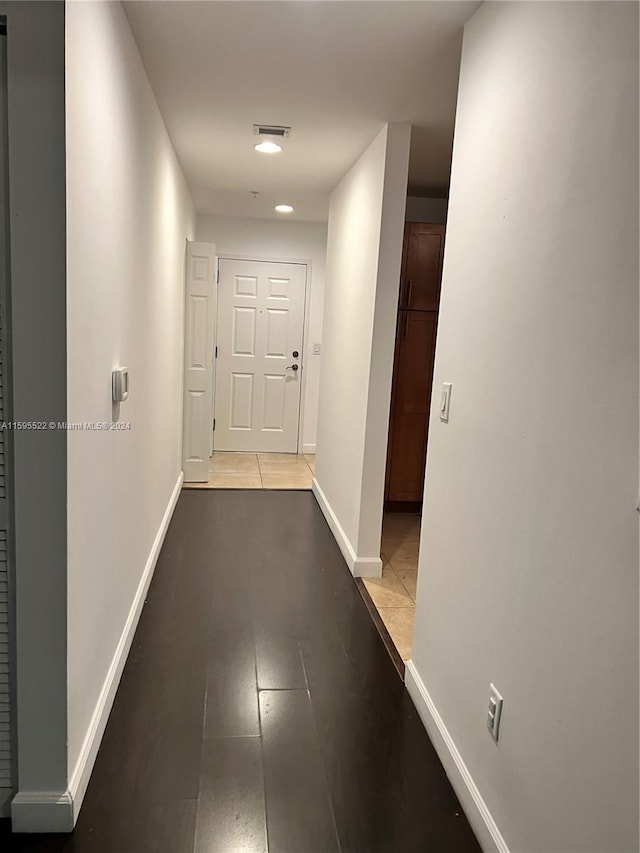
(42, 811)
(360, 567)
(475, 808)
(52, 811)
(308, 448)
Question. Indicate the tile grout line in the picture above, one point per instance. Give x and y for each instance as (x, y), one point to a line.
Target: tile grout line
(300, 457)
(403, 583)
(259, 474)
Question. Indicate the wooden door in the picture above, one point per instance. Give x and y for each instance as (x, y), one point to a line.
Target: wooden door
(259, 364)
(422, 267)
(413, 374)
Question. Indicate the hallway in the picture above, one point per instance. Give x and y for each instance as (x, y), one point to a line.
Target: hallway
(259, 709)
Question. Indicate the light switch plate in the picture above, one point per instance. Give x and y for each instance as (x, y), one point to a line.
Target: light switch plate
(494, 712)
(120, 384)
(445, 401)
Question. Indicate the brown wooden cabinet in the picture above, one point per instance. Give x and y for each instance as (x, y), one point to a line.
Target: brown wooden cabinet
(414, 361)
(422, 267)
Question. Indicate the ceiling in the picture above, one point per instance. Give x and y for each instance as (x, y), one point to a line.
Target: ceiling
(333, 70)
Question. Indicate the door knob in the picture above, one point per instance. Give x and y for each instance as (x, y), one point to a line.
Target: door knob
(293, 367)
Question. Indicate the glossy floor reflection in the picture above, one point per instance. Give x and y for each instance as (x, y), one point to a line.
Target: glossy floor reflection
(259, 709)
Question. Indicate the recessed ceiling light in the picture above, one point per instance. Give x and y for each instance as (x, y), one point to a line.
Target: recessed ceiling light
(283, 208)
(268, 147)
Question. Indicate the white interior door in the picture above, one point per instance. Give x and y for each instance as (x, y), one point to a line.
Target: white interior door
(198, 366)
(259, 363)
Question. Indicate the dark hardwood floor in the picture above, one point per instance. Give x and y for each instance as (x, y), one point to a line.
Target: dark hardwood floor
(259, 709)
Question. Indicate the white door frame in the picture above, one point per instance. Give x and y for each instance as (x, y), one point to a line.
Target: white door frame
(237, 256)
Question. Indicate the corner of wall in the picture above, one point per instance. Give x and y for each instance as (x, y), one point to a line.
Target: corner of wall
(396, 171)
(360, 567)
(42, 811)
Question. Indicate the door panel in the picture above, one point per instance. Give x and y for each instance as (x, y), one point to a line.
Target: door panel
(241, 400)
(198, 323)
(274, 402)
(415, 352)
(420, 287)
(260, 325)
(277, 333)
(244, 331)
(245, 285)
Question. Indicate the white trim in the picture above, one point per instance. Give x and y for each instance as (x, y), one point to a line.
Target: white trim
(475, 808)
(308, 448)
(53, 811)
(306, 320)
(42, 811)
(360, 567)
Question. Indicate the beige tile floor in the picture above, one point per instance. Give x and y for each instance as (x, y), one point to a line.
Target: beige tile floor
(394, 594)
(258, 471)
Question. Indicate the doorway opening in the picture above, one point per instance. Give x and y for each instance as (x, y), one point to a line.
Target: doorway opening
(258, 348)
(392, 598)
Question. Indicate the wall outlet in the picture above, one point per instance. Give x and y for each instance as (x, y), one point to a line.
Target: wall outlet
(494, 712)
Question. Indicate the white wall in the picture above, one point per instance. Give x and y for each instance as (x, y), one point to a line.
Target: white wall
(265, 240)
(129, 214)
(529, 553)
(35, 46)
(364, 247)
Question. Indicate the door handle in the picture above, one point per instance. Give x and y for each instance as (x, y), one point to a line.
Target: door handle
(293, 367)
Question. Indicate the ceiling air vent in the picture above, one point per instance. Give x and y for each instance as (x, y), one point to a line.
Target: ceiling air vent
(271, 130)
